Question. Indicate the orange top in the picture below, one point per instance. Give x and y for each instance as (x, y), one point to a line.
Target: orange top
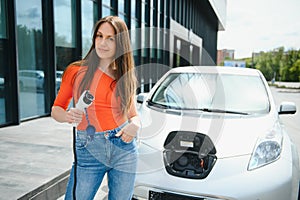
(105, 112)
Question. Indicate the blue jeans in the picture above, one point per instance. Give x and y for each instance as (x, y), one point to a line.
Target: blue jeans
(98, 155)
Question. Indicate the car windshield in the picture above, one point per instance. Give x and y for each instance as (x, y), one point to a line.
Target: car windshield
(236, 94)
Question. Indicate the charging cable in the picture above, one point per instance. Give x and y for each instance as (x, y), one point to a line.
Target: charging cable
(84, 101)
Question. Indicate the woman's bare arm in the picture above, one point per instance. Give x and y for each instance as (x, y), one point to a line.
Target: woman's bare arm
(69, 116)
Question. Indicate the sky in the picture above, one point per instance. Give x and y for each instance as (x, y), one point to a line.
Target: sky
(260, 25)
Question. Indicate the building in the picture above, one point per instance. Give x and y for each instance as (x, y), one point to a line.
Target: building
(39, 38)
(225, 54)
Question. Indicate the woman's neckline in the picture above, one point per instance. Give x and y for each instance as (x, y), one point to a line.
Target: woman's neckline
(107, 74)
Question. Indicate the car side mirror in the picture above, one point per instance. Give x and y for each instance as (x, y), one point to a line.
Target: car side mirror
(141, 97)
(287, 108)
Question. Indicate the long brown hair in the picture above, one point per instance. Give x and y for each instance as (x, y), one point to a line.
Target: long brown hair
(124, 71)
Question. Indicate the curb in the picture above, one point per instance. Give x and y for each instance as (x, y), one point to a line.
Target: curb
(51, 190)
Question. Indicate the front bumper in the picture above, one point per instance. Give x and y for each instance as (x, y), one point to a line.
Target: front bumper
(229, 179)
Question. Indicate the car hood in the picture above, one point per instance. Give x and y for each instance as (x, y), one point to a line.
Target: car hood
(232, 135)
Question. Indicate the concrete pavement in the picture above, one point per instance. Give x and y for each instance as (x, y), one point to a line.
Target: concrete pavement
(32, 154)
(35, 158)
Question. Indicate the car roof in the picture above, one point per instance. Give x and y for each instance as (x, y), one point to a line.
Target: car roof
(216, 70)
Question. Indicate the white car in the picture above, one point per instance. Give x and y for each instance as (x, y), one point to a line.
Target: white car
(214, 133)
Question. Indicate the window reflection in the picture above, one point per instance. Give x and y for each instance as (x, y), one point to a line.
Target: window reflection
(121, 6)
(3, 61)
(65, 25)
(133, 9)
(135, 38)
(2, 19)
(106, 2)
(30, 58)
(3, 64)
(105, 11)
(87, 14)
(64, 28)
(122, 16)
(143, 17)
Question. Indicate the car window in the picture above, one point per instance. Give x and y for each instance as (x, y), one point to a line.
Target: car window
(237, 93)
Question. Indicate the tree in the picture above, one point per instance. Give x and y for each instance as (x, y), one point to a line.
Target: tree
(294, 69)
(279, 64)
(264, 64)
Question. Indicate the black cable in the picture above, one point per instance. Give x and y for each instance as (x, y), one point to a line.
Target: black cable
(75, 162)
(75, 158)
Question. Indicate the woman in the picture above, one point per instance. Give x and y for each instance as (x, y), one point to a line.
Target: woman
(105, 140)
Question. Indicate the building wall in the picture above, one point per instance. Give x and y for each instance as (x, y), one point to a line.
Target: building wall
(41, 37)
(225, 54)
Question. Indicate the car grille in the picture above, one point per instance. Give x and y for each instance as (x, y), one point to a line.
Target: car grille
(189, 154)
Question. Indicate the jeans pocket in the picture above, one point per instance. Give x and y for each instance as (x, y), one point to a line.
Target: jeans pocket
(81, 142)
(122, 141)
(127, 146)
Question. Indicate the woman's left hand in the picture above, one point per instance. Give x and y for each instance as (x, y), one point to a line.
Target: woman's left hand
(125, 137)
(130, 130)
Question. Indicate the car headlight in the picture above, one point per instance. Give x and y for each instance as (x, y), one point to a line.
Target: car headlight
(267, 149)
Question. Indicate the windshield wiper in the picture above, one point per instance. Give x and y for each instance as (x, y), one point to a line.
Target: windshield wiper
(222, 111)
(158, 105)
(212, 110)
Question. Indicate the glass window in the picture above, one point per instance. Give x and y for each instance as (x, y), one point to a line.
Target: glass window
(106, 2)
(135, 37)
(3, 70)
(133, 9)
(87, 7)
(160, 5)
(105, 11)
(145, 32)
(3, 62)
(64, 26)
(121, 6)
(2, 19)
(106, 8)
(30, 58)
(121, 15)
(143, 17)
(134, 24)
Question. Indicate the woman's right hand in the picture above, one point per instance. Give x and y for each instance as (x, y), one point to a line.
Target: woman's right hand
(74, 116)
